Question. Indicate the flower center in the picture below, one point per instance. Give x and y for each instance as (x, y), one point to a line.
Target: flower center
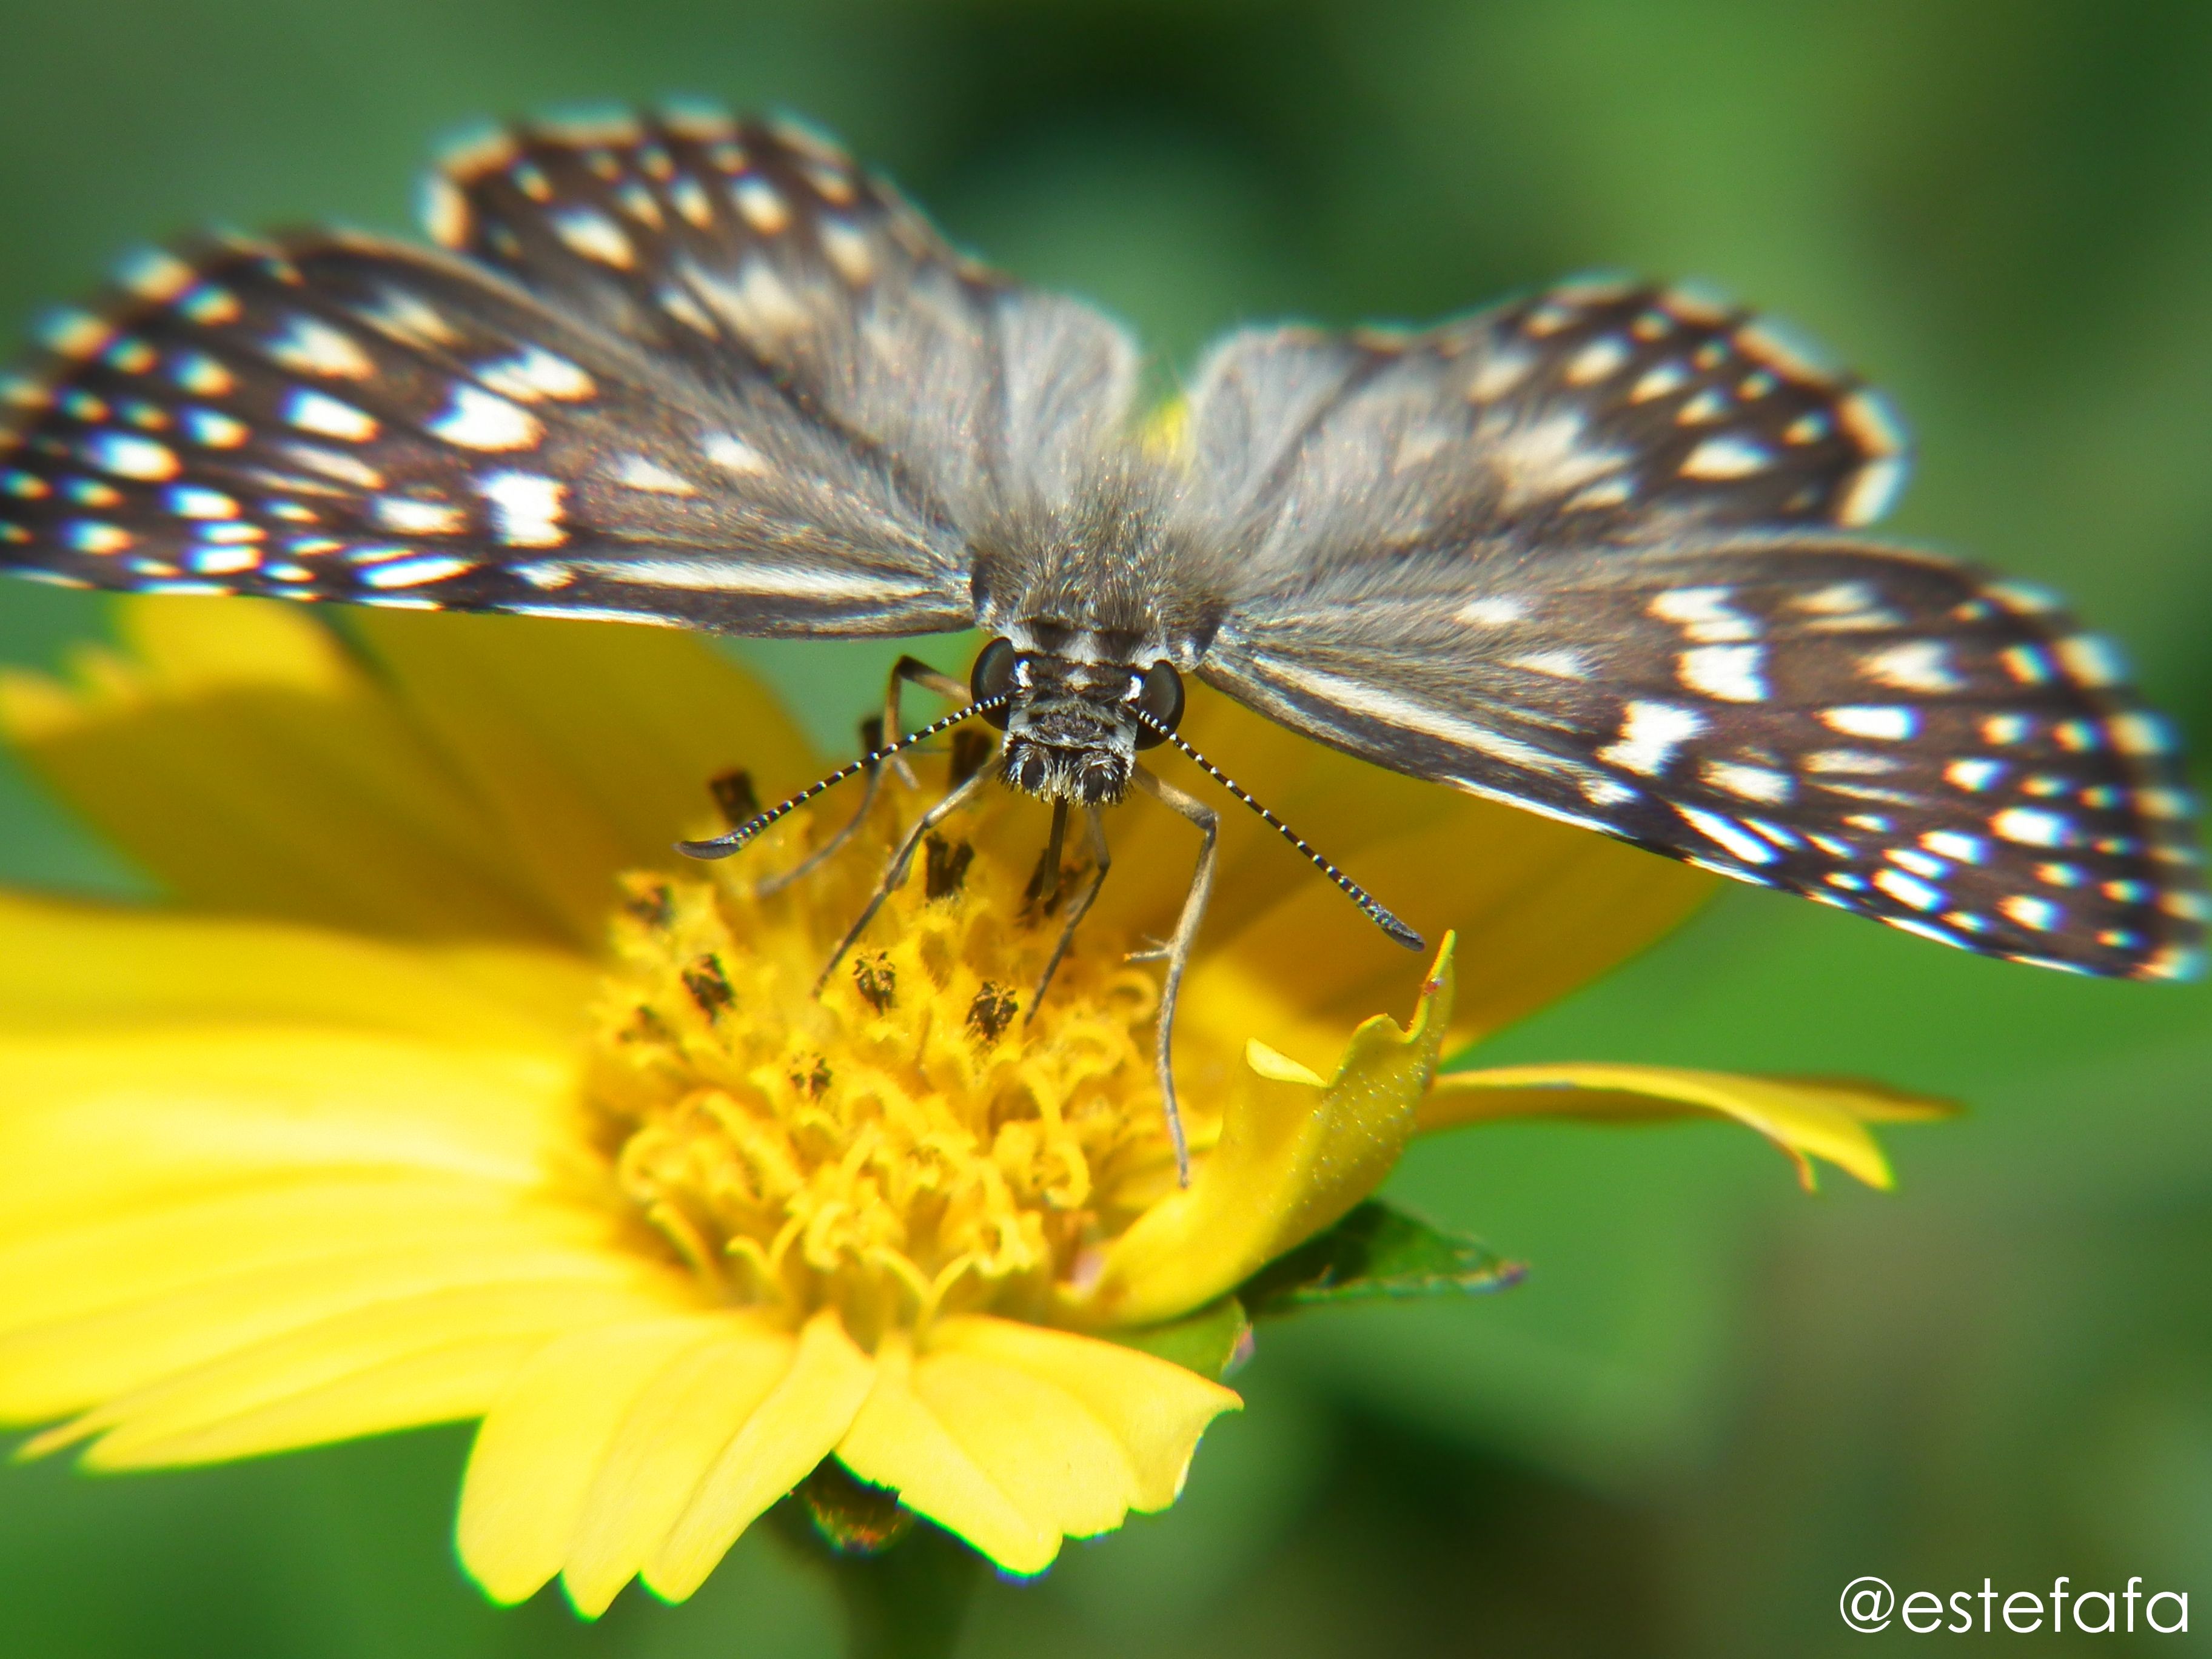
(909, 1140)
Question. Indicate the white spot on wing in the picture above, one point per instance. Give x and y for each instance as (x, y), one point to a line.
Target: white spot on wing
(1752, 782)
(759, 304)
(212, 430)
(1974, 773)
(1651, 732)
(1873, 491)
(1909, 889)
(1606, 492)
(1919, 863)
(1547, 457)
(310, 346)
(1493, 611)
(764, 208)
(848, 249)
(1499, 373)
(1658, 381)
(217, 560)
(691, 199)
(639, 473)
(317, 412)
(197, 501)
(2139, 734)
(1560, 665)
(732, 453)
(1603, 357)
(1730, 673)
(1725, 833)
(335, 463)
(153, 274)
(535, 372)
(91, 536)
(476, 419)
(413, 518)
(1888, 725)
(2030, 827)
(526, 508)
(1913, 665)
(679, 304)
(1705, 614)
(2040, 914)
(1726, 458)
(1857, 761)
(126, 455)
(445, 212)
(1950, 844)
(408, 317)
(415, 573)
(1711, 404)
(594, 235)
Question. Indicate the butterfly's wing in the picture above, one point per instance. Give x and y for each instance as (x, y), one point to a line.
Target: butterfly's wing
(335, 417)
(759, 247)
(804, 446)
(1591, 555)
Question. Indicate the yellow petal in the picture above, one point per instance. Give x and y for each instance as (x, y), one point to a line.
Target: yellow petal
(66, 965)
(1292, 1158)
(591, 743)
(895, 1441)
(97, 1125)
(240, 758)
(317, 1225)
(543, 1442)
(1002, 1458)
(1156, 1410)
(145, 1340)
(673, 1432)
(1806, 1117)
(798, 1425)
(389, 1366)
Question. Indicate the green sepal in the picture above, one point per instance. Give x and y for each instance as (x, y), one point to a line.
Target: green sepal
(1376, 1251)
(1210, 1341)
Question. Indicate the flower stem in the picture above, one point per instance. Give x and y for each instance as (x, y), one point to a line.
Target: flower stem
(905, 1585)
(909, 1602)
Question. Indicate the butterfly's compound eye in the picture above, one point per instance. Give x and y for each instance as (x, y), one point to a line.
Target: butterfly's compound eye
(994, 677)
(1161, 698)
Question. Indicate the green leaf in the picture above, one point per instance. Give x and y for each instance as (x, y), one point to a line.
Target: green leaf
(1376, 1251)
(1208, 1341)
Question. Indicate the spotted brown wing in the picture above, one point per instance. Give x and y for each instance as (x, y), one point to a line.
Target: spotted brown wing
(694, 370)
(1481, 556)
(754, 247)
(331, 417)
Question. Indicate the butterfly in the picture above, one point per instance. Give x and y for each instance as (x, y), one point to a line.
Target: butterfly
(1595, 552)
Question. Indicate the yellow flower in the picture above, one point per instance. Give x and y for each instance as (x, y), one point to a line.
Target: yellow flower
(442, 1090)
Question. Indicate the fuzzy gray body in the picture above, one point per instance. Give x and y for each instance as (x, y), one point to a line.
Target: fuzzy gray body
(1592, 553)
(1092, 592)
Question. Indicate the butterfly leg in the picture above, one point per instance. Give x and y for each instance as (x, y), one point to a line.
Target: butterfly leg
(911, 670)
(1094, 827)
(905, 671)
(1178, 949)
(895, 874)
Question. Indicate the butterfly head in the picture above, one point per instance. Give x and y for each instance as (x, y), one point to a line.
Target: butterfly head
(1072, 725)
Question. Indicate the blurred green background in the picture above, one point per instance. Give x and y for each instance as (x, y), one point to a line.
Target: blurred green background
(1715, 1400)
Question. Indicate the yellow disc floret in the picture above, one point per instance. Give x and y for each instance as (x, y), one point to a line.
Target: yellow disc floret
(915, 1139)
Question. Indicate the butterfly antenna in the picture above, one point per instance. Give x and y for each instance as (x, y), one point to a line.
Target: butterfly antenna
(721, 846)
(1368, 905)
